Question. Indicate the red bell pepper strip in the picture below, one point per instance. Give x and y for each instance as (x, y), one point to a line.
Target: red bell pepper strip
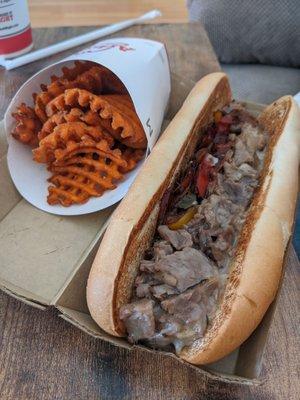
(226, 120)
(203, 174)
(223, 127)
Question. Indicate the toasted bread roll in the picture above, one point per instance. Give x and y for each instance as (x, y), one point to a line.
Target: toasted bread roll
(255, 270)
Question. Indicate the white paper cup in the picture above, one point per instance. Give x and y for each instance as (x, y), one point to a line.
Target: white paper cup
(142, 65)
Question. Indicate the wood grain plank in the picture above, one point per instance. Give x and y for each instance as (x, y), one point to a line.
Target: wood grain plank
(51, 13)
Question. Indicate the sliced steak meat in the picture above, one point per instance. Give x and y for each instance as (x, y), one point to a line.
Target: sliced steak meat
(238, 221)
(159, 340)
(185, 268)
(180, 304)
(224, 212)
(185, 326)
(185, 317)
(232, 172)
(247, 171)
(179, 239)
(203, 239)
(143, 290)
(208, 207)
(139, 320)
(184, 274)
(193, 226)
(242, 154)
(147, 266)
(142, 278)
(238, 193)
(219, 209)
(184, 307)
(143, 283)
(253, 137)
(211, 291)
(162, 249)
(223, 242)
(237, 173)
(162, 291)
(248, 143)
(241, 116)
(182, 312)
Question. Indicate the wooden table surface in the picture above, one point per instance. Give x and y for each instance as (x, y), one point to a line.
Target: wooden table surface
(48, 13)
(44, 357)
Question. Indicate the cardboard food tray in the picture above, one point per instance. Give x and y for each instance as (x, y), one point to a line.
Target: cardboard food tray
(45, 261)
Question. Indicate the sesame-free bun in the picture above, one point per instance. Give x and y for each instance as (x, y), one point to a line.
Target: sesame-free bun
(256, 269)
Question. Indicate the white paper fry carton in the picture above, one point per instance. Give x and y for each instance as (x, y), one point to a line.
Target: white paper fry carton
(142, 65)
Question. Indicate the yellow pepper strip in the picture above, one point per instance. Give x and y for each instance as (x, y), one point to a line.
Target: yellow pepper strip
(184, 219)
(217, 116)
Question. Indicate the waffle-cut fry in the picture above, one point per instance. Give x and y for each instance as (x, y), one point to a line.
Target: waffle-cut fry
(88, 146)
(117, 112)
(95, 177)
(94, 165)
(71, 73)
(75, 132)
(87, 172)
(51, 123)
(79, 68)
(40, 100)
(70, 189)
(74, 115)
(66, 196)
(132, 157)
(112, 84)
(28, 125)
(90, 79)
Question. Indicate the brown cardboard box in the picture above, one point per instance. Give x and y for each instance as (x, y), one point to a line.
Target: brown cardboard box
(45, 261)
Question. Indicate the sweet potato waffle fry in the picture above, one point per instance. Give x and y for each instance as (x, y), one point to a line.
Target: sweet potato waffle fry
(83, 170)
(87, 169)
(93, 162)
(57, 86)
(75, 132)
(112, 84)
(88, 145)
(117, 112)
(132, 157)
(74, 115)
(85, 128)
(90, 80)
(28, 125)
(79, 68)
(70, 155)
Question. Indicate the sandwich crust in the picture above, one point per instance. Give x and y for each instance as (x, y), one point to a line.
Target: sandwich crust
(256, 269)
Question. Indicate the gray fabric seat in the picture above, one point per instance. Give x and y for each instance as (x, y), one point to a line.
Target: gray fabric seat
(262, 83)
(251, 31)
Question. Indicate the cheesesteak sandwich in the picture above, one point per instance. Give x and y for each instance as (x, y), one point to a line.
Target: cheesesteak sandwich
(193, 255)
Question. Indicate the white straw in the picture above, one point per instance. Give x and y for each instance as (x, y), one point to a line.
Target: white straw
(76, 41)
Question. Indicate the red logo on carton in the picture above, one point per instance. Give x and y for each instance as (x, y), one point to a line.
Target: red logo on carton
(107, 46)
